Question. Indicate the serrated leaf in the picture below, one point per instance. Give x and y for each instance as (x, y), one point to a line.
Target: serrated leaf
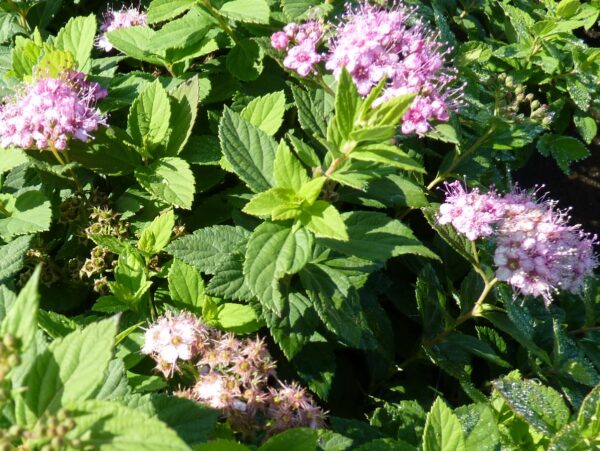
(156, 236)
(70, 369)
(541, 407)
(169, 179)
(266, 112)
(586, 126)
(11, 158)
(268, 202)
(186, 285)
(77, 37)
(338, 305)
(245, 60)
(207, 249)
(288, 171)
(249, 150)
(588, 417)
(30, 212)
(314, 109)
(273, 251)
(237, 318)
(375, 236)
(300, 439)
(148, 120)
(21, 318)
(229, 281)
(387, 154)
(162, 10)
(347, 104)
(134, 42)
(184, 109)
(479, 424)
(564, 149)
(12, 257)
(579, 93)
(431, 302)
(324, 220)
(251, 11)
(443, 431)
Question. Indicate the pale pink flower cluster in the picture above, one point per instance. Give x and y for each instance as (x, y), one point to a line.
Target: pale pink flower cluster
(46, 113)
(374, 43)
(114, 20)
(235, 376)
(537, 251)
(172, 339)
(301, 42)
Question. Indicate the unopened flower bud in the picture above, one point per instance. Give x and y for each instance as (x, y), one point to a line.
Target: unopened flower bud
(535, 105)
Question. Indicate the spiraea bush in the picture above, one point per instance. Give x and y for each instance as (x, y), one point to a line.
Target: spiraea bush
(292, 225)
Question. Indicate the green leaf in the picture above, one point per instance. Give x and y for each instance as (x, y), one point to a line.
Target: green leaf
(392, 111)
(564, 149)
(249, 150)
(184, 109)
(186, 285)
(324, 220)
(169, 179)
(443, 431)
(21, 319)
(388, 155)
(250, 11)
(266, 112)
(229, 281)
(542, 407)
(288, 171)
(245, 59)
(588, 417)
(431, 302)
(163, 10)
(476, 347)
(347, 104)
(237, 318)
(269, 202)
(25, 56)
(12, 257)
(156, 236)
(131, 282)
(70, 369)
(586, 126)
(480, 426)
(273, 251)
(221, 444)
(299, 9)
(375, 236)
(404, 420)
(135, 42)
(579, 93)
(77, 37)
(148, 120)
(107, 425)
(311, 190)
(313, 110)
(570, 359)
(570, 438)
(207, 249)
(338, 304)
(11, 158)
(299, 439)
(30, 212)
(567, 8)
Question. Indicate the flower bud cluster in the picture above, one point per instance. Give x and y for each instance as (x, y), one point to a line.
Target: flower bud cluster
(235, 376)
(516, 97)
(47, 113)
(374, 43)
(115, 20)
(537, 251)
(50, 271)
(50, 432)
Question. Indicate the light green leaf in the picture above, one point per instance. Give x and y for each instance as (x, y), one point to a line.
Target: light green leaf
(375, 236)
(252, 11)
(388, 155)
(107, 425)
(184, 32)
(588, 417)
(134, 42)
(156, 236)
(25, 56)
(443, 431)
(169, 179)
(207, 249)
(311, 190)
(184, 109)
(186, 285)
(266, 112)
(391, 112)
(586, 126)
(249, 150)
(148, 120)
(77, 37)
(31, 212)
(288, 171)
(542, 407)
(480, 426)
(268, 202)
(54, 62)
(11, 158)
(324, 220)
(273, 251)
(163, 10)
(299, 439)
(21, 319)
(237, 318)
(347, 104)
(70, 369)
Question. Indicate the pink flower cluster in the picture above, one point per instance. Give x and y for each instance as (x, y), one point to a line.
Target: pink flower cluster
(301, 42)
(235, 376)
(374, 43)
(537, 251)
(46, 113)
(114, 20)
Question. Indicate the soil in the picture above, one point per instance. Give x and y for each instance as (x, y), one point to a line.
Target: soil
(579, 190)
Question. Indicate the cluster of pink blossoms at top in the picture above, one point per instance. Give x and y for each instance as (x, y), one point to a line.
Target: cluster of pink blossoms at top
(114, 20)
(234, 375)
(537, 251)
(46, 113)
(373, 43)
